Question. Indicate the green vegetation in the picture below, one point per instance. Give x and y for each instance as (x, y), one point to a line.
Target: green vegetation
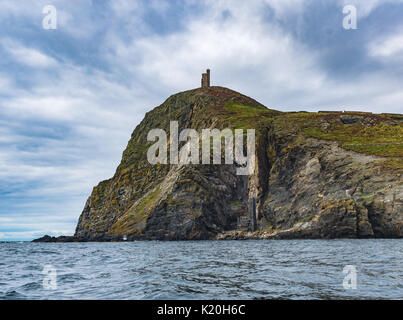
(371, 134)
(247, 116)
(144, 207)
(393, 163)
(358, 133)
(138, 214)
(308, 218)
(236, 203)
(136, 148)
(269, 226)
(100, 192)
(386, 150)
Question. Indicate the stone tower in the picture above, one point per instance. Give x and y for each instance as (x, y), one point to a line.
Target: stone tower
(205, 80)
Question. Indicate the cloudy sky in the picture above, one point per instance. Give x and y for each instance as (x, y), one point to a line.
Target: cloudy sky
(70, 97)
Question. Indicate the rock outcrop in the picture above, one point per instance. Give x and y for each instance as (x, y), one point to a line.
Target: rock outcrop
(317, 175)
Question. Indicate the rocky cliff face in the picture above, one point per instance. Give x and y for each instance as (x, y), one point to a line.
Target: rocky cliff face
(318, 175)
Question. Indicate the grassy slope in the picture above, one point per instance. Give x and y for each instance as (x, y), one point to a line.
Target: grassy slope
(382, 137)
(378, 135)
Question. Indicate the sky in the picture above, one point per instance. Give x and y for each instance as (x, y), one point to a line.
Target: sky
(71, 96)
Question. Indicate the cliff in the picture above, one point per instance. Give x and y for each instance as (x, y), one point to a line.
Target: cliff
(317, 175)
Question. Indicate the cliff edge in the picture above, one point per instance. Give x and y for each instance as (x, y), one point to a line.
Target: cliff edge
(317, 175)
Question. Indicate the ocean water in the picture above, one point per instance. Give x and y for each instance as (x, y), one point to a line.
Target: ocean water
(285, 269)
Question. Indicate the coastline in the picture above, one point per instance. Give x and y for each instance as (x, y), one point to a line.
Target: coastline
(226, 236)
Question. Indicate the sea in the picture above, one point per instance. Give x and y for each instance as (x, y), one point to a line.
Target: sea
(261, 269)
